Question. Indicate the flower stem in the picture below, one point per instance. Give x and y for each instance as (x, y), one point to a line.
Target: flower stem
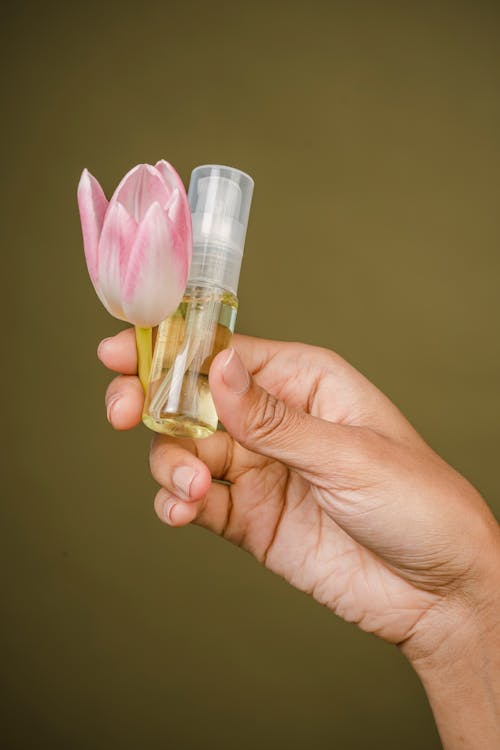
(144, 343)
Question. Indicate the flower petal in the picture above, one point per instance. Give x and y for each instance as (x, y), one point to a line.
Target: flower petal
(92, 204)
(170, 176)
(117, 239)
(157, 272)
(139, 189)
(180, 215)
(178, 206)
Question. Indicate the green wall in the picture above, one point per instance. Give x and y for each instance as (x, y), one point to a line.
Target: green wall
(372, 132)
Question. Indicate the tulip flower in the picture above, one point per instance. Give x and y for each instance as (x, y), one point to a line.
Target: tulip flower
(138, 246)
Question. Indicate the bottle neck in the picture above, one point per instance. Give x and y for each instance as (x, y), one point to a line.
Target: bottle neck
(215, 265)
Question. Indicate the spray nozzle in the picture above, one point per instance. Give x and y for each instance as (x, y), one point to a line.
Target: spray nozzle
(220, 199)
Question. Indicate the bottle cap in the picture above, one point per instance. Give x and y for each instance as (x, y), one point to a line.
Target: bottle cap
(219, 198)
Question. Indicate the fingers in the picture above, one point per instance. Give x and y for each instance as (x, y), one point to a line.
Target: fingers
(124, 396)
(322, 383)
(124, 401)
(188, 493)
(119, 352)
(176, 467)
(172, 510)
(211, 511)
(267, 425)
(217, 454)
(257, 352)
(301, 375)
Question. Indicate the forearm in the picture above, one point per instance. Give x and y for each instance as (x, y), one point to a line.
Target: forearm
(462, 682)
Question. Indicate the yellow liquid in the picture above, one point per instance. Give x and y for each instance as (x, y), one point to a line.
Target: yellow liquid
(178, 401)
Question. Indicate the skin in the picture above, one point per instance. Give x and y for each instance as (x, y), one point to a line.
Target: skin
(329, 486)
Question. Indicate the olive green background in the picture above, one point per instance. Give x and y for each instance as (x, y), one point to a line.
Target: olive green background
(373, 132)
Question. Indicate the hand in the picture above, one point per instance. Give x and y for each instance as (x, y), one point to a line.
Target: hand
(331, 488)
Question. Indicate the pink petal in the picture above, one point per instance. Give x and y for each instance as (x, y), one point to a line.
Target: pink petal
(139, 189)
(157, 272)
(180, 215)
(92, 204)
(178, 206)
(117, 239)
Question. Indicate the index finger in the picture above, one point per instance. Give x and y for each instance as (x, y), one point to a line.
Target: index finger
(119, 353)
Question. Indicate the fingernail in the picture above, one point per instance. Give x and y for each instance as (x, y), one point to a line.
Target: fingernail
(168, 508)
(102, 346)
(111, 405)
(234, 373)
(182, 477)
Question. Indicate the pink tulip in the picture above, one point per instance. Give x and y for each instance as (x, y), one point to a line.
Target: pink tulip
(138, 246)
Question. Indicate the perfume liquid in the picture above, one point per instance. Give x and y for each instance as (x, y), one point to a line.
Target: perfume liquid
(178, 401)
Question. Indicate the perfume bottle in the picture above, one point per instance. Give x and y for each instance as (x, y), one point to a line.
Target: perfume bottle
(178, 400)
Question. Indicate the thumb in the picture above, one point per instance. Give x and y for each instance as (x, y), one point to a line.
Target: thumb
(267, 425)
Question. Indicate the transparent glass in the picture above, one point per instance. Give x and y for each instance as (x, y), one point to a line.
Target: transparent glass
(178, 400)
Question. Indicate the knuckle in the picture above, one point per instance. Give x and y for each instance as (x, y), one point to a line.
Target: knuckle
(110, 391)
(117, 384)
(157, 456)
(330, 360)
(269, 415)
(370, 447)
(318, 358)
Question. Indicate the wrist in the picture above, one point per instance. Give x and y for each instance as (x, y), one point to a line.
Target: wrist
(456, 655)
(453, 633)
(466, 610)
(463, 688)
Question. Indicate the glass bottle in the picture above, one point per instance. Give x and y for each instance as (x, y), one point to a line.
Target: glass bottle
(178, 400)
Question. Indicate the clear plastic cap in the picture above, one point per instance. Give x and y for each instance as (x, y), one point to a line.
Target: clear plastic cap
(219, 198)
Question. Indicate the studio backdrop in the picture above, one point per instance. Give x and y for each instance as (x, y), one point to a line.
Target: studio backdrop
(372, 133)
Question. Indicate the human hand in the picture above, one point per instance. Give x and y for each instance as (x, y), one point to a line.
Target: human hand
(330, 487)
